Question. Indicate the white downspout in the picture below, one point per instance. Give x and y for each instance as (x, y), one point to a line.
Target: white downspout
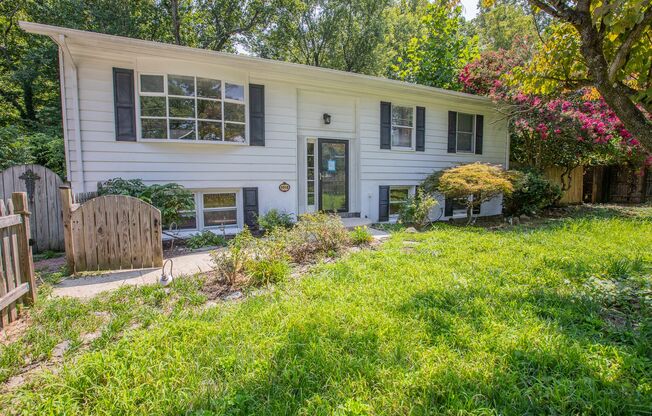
(64, 54)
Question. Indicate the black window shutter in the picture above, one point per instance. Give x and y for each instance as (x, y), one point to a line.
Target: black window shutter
(448, 207)
(383, 203)
(452, 132)
(479, 130)
(421, 129)
(477, 208)
(385, 125)
(250, 202)
(124, 104)
(256, 115)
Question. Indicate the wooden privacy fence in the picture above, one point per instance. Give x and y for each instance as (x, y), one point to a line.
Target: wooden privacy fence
(42, 188)
(16, 265)
(111, 232)
(574, 194)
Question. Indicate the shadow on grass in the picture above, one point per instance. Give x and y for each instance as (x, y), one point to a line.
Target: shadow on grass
(547, 353)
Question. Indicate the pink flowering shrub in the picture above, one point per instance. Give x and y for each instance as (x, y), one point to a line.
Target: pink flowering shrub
(570, 130)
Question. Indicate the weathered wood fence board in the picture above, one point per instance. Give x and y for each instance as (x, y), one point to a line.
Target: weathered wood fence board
(42, 188)
(16, 265)
(574, 194)
(111, 232)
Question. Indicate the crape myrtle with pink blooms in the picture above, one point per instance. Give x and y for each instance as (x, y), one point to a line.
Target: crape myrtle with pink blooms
(568, 130)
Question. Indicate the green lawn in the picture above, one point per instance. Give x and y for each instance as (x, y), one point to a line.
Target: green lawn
(552, 320)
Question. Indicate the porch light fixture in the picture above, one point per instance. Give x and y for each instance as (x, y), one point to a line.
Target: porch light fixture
(327, 118)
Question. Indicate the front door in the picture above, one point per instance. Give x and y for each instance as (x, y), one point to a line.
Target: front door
(333, 175)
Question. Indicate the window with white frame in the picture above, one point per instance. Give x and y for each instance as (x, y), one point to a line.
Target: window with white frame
(310, 173)
(398, 196)
(465, 130)
(402, 126)
(219, 209)
(179, 107)
(212, 209)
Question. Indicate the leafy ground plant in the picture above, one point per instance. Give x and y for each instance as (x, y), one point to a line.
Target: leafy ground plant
(361, 236)
(205, 239)
(456, 320)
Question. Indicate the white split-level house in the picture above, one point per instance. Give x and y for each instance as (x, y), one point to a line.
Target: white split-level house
(247, 134)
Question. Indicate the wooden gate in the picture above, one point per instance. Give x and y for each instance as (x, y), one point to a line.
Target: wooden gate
(42, 188)
(16, 266)
(111, 232)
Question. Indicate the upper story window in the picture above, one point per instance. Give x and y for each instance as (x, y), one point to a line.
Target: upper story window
(465, 132)
(179, 107)
(402, 126)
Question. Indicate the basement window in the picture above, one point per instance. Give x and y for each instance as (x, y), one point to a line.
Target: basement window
(398, 196)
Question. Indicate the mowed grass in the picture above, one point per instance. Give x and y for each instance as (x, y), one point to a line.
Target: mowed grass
(552, 320)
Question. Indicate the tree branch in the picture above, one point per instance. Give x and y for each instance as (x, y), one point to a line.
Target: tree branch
(623, 51)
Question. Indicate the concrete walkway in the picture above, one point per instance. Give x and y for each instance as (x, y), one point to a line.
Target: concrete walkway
(186, 264)
(87, 287)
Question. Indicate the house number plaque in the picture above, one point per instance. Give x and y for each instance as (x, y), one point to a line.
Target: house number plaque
(284, 187)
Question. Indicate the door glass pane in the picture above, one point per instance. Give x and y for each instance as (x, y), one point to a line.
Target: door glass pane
(333, 176)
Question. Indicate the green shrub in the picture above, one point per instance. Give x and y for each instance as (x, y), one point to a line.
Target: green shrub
(119, 186)
(480, 180)
(416, 210)
(532, 193)
(266, 270)
(205, 239)
(170, 198)
(316, 235)
(275, 219)
(229, 264)
(251, 261)
(361, 236)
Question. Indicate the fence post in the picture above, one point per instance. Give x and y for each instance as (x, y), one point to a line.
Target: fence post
(66, 207)
(25, 257)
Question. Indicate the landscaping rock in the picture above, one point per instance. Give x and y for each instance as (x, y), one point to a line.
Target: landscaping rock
(60, 349)
(233, 296)
(411, 230)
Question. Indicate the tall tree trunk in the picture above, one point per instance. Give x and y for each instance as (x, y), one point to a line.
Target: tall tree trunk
(176, 21)
(615, 97)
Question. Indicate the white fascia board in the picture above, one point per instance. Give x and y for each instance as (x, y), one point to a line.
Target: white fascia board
(95, 40)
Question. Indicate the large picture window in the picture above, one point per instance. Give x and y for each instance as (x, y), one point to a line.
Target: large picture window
(179, 107)
(402, 126)
(465, 130)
